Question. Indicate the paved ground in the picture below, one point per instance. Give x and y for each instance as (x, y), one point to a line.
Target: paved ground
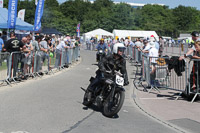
(53, 104)
(164, 107)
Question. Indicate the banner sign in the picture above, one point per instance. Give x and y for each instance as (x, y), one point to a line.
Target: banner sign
(38, 15)
(78, 30)
(21, 14)
(12, 13)
(1, 3)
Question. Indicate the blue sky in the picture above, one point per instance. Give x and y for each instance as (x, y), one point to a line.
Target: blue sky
(170, 3)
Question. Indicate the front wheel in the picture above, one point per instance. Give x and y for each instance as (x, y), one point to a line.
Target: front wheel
(112, 107)
(87, 98)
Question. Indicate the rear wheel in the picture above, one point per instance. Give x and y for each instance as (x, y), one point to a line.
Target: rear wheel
(112, 107)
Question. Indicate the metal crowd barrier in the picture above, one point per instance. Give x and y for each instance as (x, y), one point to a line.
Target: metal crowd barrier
(161, 72)
(4, 58)
(12, 65)
(176, 49)
(155, 72)
(129, 52)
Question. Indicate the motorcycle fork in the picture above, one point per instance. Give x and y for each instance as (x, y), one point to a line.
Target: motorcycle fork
(112, 93)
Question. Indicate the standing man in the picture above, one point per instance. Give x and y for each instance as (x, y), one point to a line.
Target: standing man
(1, 48)
(36, 53)
(1, 43)
(45, 49)
(195, 38)
(161, 49)
(14, 45)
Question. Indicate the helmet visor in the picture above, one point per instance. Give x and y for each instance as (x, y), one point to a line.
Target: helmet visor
(121, 49)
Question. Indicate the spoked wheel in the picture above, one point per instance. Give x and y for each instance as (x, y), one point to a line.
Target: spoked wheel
(112, 107)
(87, 98)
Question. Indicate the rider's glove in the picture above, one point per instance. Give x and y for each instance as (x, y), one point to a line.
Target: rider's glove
(126, 83)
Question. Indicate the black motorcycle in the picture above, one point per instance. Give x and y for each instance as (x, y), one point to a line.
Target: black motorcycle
(100, 54)
(108, 95)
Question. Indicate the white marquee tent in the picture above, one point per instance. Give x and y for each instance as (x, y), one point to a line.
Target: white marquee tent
(134, 34)
(96, 33)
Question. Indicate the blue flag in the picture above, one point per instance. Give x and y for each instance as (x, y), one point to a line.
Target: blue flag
(78, 30)
(12, 13)
(38, 15)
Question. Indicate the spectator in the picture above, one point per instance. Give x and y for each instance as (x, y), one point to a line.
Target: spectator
(153, 54)
(152, 38)
(195, 38)
(45, 51)
(4, 36)
(77, 46)
(27, 56)
(59, 48)
(138, 43)
(49, 43)
(1, 43)
(14, 45)
(146, 47)
(161, 48)
(170, 42)
(1, 49)
(36, 53)
(195, 74)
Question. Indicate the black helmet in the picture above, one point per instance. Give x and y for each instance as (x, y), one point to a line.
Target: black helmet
(195, 34)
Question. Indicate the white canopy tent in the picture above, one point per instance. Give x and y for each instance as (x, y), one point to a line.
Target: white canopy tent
(96, 33)
(134, 34)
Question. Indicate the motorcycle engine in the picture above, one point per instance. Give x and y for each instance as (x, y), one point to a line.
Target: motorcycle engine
(99, 100)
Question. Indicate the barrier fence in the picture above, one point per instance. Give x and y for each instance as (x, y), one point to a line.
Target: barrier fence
(167, 72)
(4, 57)
(176, 49)
(18, 65)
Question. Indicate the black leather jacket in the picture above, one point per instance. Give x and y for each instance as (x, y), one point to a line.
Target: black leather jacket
(109, 62)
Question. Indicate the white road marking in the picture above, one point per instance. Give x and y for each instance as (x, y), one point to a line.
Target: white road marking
(125, 111)
(153, 98)
(20, 132)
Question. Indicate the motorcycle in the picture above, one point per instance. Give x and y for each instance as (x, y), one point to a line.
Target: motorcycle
(108, 95)
(100, 54)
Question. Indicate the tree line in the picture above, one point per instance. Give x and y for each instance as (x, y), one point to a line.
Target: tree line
(108, 16)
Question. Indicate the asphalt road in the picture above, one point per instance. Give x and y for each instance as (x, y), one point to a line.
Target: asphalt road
(54, 105)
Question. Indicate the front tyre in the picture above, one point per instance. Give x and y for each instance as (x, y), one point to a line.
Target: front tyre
(87, 98)
(111, 108)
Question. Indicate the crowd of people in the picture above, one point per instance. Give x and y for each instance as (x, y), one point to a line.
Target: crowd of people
(39, 46)
(144, 45)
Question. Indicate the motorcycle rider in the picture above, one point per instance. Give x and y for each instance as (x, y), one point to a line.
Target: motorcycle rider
(112, 62)
(101, 46)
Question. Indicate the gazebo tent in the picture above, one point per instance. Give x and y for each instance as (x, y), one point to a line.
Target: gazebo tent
(20, 24)
(134, 34)
(96, 33)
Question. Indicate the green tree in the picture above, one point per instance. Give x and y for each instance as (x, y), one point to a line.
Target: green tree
(186, 18)
(156, 18)
(30, 8)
